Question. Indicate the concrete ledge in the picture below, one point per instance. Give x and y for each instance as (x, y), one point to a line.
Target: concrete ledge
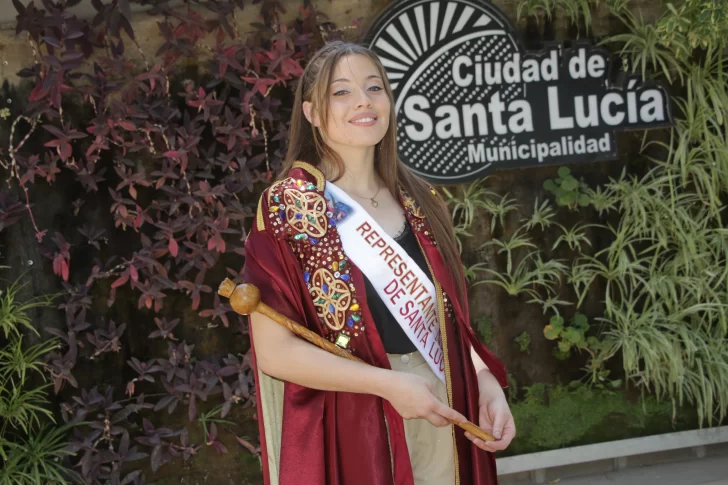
(535, 462)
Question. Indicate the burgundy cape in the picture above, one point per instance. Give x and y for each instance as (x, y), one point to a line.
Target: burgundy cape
(311, 437)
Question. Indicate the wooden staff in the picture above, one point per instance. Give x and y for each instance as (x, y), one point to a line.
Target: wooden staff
(245, 299)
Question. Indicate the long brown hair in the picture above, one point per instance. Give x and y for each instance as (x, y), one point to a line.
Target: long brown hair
(306, 144)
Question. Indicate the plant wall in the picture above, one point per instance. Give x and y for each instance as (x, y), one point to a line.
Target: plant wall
(134, 175)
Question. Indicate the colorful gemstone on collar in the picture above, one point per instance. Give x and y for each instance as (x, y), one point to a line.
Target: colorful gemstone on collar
(356, 317)
(306, 276)
(354, 307)
(298, 216)
(298, 237)
(345, 277)
(335, 266)
(325, 287)
(313, 240)
(341, 265)
(350, 322)
(332, 222)
(299, 182)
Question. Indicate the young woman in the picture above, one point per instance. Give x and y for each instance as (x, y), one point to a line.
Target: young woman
(351, 244)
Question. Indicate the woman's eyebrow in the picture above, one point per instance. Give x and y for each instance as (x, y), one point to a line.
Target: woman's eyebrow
(343, 79)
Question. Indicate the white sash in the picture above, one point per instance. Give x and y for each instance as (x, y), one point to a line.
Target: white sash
(404, 288)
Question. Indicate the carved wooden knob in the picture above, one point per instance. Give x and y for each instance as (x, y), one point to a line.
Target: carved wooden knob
(244, 298)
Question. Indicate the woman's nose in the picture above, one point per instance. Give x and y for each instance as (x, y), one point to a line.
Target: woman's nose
(364, 98)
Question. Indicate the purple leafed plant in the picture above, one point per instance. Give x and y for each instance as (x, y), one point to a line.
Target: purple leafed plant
(160, 159)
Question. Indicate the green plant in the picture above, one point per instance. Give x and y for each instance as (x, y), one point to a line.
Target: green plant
(556, 416)
(574, 237)
(567, 190)
(36, 458)
(209, 422)
(697, 23)
(484, 328)
(465, 205)
(543, 216)
(577, 10)
(641, 48)
(523, 341)
(14, 314)
(568, 336)
(534, 8)
(574, 336)
(574, 10)
(31, 445)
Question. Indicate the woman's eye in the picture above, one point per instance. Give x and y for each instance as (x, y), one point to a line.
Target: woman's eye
(340, 92)
(375, 88)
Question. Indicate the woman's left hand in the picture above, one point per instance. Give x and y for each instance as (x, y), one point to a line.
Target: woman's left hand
(495, 415)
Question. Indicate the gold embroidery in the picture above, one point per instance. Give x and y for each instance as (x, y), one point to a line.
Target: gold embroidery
(331, 296)
(306, 212)
(273, 191)
(414, 207)
(315, 172)
(259, 218)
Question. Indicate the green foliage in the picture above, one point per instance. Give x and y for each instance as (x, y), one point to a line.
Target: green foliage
(35, 459)
(577, 11)
(567, 190)
(535, 8)
(572, 335)
(14, 315)
(560, 416)
(31, 446)
(523, 341)
(697, 23)
(662, 273)
(484, 328)
(644, 53)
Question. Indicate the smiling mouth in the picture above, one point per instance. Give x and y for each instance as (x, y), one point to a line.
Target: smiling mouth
(363, 121)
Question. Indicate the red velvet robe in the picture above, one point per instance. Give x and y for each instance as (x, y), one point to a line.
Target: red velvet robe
(336, 438)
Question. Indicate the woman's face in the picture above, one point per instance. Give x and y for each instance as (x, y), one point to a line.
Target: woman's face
(358, 105)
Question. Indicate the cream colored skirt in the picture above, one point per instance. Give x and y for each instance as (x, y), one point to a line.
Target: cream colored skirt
(431, 449)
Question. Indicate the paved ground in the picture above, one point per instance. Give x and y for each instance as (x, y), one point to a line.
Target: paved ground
(706, 471)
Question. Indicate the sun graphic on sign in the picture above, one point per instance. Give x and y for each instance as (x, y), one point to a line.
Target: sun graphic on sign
(420, 46)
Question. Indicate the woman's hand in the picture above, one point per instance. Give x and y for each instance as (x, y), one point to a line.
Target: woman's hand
(495, 415)
(413, 397)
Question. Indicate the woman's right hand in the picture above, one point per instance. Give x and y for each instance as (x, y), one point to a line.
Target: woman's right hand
(414, 397)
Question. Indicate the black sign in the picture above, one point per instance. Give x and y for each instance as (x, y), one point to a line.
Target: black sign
(470, 100)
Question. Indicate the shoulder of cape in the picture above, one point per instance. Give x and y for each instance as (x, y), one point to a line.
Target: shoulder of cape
(301, 176)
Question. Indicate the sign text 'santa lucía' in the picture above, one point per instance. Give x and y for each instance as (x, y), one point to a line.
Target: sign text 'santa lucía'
(469, 100)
